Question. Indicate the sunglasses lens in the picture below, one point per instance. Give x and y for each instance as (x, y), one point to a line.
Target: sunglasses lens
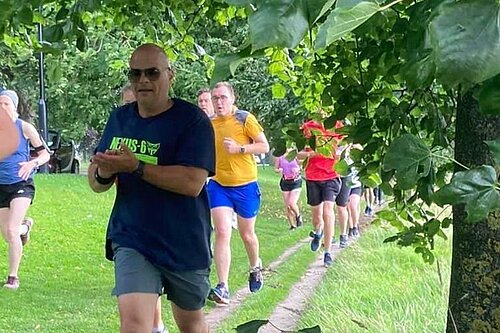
(134, 75)
(152, 74)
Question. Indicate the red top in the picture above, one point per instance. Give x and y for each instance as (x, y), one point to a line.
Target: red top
(319, 167)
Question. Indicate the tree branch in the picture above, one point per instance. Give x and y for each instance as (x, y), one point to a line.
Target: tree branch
(360, 70)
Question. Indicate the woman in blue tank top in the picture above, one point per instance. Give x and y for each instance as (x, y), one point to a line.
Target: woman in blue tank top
(16, 186)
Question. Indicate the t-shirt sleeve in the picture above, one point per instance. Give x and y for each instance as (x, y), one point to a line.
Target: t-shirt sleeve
(252, 126)
(197, 146)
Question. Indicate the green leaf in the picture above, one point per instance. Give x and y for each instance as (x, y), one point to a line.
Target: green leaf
(291, 155)
(62, 14)
(279, 90)
(239, 3)
(411, 159)
(356, 155)
(391, 239)
(315, 329)
(391, 217)
(341, 167)
(489, 96)
(427, 254)
(432, 227)
(282, 23)
(223, 65)
(466, 48)
(25, 16)
(446, 222)
(419, 72)
(226, 64)
(371, 180)
(279, 147)
(494, 150)
(54, 74)
(425, 187)
(441, 234)
(53, 33)
(343, 20)
(387, 215)
(251, 326)
(81, 42)
(475, 188)
(326, 7)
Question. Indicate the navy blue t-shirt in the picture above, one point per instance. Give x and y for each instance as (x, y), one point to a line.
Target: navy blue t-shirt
(170, 229)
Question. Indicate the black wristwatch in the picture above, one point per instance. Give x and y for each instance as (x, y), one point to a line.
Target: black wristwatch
(102, 180)
(242, 149)
(139, 171)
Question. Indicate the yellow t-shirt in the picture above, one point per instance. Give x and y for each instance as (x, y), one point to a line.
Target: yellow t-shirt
(235, 169)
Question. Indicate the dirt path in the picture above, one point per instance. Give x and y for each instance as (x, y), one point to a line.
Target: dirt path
(220, 313)
(287, 313)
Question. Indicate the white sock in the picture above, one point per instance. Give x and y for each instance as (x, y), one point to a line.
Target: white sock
(158, 329)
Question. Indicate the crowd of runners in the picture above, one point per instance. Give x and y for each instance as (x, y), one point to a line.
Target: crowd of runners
(180, 173)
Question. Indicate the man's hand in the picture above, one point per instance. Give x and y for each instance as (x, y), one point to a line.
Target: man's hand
(26, 168)
(231, 146)
(114, 161)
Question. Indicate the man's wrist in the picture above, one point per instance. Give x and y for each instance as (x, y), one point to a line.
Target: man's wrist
(243, 149)
(139, 170)
(103, 180)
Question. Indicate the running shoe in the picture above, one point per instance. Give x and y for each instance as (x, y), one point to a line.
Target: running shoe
(355, 232)
(219, 294)
(298, 220)
(12, 283)
(343, 241)
(316, 239)
(255, 278)
(26, 236)
(327, 261)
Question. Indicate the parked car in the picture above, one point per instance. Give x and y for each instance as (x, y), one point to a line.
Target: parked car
(63, 157)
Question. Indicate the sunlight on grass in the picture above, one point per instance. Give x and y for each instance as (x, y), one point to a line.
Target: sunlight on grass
(66, 281)
(375, 287)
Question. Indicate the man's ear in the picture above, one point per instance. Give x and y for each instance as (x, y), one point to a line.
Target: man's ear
(171, 73)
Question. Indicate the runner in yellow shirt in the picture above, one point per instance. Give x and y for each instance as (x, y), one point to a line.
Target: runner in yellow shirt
(238, 136)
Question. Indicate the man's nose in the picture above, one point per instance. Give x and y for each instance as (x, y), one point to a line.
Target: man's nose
(143, 77)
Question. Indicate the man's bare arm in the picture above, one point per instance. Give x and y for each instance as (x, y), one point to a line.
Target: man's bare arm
(180, 179)
(9, 137)
(259, 145)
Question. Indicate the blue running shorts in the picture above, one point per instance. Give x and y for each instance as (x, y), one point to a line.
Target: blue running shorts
(244, 199)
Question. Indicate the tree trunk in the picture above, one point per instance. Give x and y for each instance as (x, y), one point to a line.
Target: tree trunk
(475, 274)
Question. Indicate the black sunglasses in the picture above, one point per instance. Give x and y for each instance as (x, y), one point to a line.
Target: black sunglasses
(153, 74)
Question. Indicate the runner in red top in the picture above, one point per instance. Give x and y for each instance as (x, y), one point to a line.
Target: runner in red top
(322, 183)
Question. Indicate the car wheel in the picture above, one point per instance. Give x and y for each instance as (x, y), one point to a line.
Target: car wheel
(75, 167)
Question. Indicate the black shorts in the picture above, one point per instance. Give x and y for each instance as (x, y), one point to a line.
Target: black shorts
(23, 189)
(343, 196)
(290, 185)
(356, 191)
(320, 191)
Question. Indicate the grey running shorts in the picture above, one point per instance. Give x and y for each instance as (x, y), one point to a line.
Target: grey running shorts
(134, 273)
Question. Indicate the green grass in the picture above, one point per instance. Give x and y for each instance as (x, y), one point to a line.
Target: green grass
(66, 281)
(382, 288)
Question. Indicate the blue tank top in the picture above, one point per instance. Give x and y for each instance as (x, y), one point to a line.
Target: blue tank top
(9, 167)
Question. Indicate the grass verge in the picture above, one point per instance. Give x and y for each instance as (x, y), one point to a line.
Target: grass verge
(375, 287)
